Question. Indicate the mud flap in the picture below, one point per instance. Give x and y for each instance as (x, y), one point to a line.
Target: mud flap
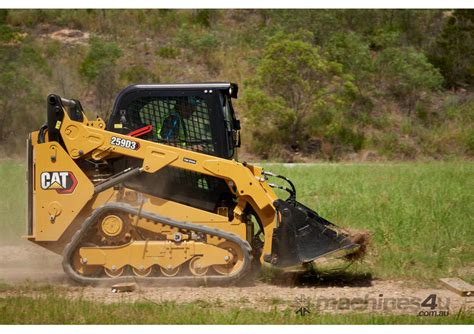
(303, 236)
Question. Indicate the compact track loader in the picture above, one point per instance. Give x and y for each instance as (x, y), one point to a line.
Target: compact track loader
(156, 193)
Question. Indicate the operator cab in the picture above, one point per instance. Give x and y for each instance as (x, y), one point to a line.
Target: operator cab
(198, 117)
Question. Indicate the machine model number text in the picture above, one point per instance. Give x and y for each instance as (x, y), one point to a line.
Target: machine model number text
(125, 143)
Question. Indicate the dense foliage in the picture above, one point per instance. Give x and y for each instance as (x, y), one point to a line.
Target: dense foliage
(315, 84)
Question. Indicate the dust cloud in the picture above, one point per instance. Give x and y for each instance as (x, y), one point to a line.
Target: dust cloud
(23, 261)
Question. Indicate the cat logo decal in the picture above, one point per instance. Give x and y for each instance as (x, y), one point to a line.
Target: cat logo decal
(62, 182)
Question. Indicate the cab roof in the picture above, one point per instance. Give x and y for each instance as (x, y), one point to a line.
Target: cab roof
(232, 88)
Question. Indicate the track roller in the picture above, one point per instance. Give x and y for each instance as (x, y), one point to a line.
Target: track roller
(171, 272)
(114, 272)
(142, 272)
(195, 269)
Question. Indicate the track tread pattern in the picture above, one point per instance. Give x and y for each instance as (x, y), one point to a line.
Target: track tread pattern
(162, 281)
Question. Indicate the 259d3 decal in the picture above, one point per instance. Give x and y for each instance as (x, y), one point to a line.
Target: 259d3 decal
(125, 143)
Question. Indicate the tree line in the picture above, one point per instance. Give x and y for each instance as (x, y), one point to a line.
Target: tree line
(315, 84)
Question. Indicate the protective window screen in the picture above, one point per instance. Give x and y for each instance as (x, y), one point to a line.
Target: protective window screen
(177, 121)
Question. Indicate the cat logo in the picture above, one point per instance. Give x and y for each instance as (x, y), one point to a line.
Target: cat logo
(62, 182)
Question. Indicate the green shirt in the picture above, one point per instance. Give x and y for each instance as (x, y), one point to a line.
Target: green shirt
(172, 128)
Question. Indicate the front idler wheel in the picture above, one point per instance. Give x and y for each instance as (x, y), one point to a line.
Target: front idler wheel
(80, 265)
(235, 262)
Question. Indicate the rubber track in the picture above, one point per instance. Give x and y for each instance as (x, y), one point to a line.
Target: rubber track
(185, 280)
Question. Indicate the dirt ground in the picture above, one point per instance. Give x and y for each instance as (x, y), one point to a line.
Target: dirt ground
(29, 264)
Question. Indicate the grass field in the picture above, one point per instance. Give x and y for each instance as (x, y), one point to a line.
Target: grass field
(54, 309)
(421, 214)
(13, 201)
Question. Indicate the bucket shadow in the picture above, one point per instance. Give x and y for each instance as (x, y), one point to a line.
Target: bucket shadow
(337, 279)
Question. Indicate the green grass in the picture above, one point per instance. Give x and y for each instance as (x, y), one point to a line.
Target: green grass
(54, 309)
(12, 201)
(421, 214)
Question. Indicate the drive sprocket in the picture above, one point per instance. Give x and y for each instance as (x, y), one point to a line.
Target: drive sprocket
(114, 229)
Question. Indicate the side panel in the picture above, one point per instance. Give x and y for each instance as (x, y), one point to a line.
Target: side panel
(60, 191)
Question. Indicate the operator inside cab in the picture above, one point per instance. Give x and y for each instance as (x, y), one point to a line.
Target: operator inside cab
(173, 127)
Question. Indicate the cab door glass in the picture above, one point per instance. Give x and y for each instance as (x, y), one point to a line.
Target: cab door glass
(181, 121)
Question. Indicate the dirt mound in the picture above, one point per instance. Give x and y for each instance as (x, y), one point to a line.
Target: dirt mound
(70, 36)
